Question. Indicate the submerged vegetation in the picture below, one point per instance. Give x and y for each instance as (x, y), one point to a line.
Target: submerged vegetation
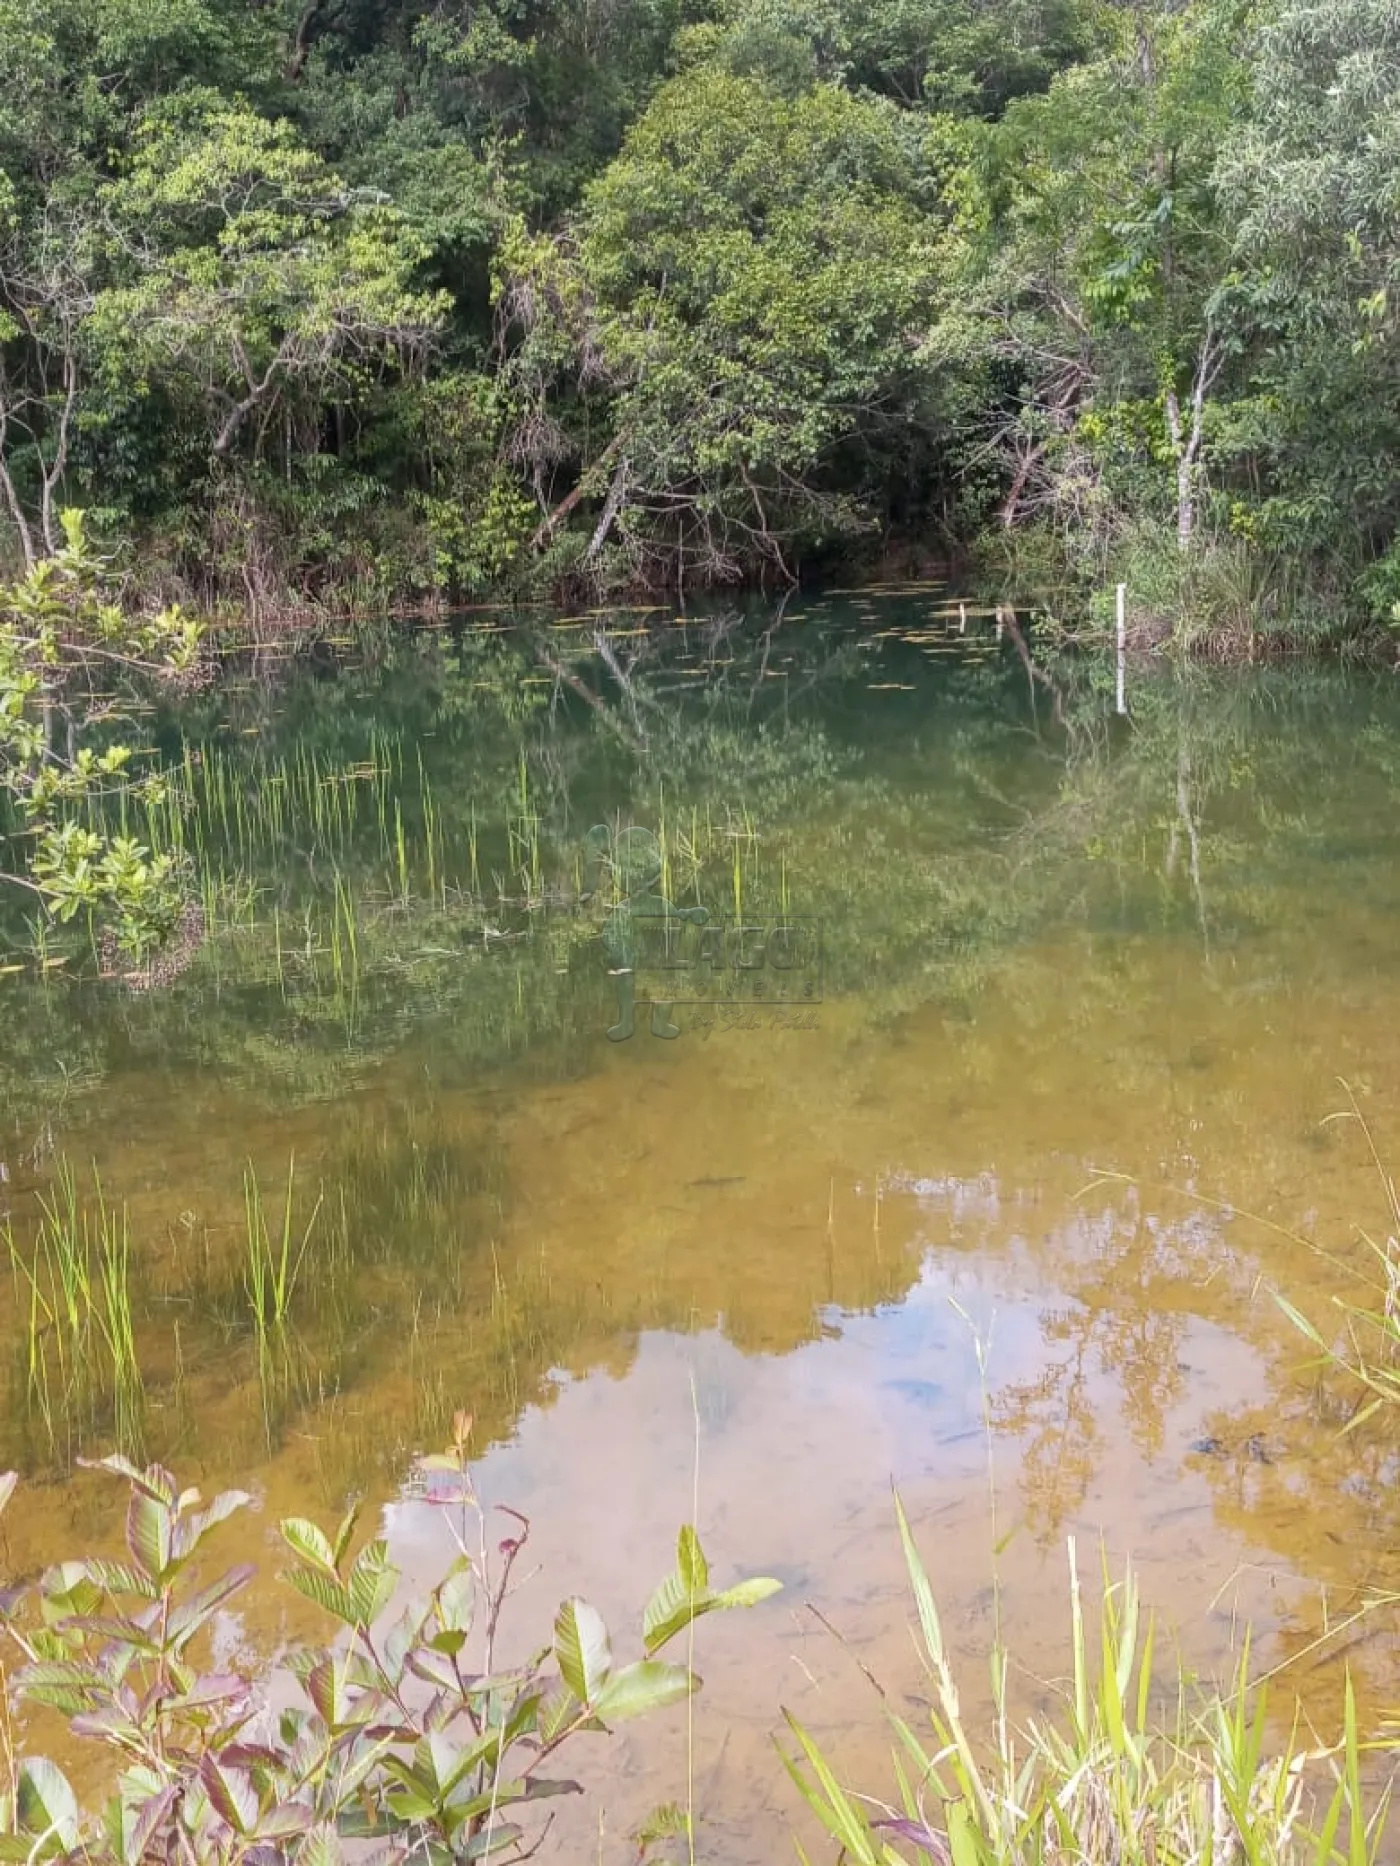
(341, 307)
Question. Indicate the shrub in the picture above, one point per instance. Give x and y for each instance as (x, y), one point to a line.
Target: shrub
(410, 1736)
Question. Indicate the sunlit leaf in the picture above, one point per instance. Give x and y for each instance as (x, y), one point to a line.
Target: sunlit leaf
(646, 1685)
(691, 1565)
(148, 1820)
(558, 1710)
(148, 1534)
(321, 1847)
(193, 1613)
(309, 1542)
(490, 1840)
(747, 1593)
(45, 1804)
(582, 1648)
(372, 1582)
(231, 1791)
(324, 1591)
(344, 1533)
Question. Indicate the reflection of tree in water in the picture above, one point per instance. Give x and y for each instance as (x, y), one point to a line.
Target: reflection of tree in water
(943, 842)
(1121, 1334)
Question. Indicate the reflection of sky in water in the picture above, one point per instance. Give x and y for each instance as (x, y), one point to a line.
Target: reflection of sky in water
(797, 1452)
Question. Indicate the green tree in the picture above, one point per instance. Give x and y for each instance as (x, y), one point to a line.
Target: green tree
(1308, 178)
(1103, 268)
(255, 277)
(743, 297)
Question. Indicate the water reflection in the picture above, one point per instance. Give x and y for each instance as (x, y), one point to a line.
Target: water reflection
(1085, 996)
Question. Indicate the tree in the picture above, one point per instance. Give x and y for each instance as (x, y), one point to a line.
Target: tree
(253, 276)
(1308, 179)
(1103, 269)
(744, 293)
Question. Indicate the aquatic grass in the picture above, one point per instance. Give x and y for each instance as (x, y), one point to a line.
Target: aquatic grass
(345, 941)
(79, 1345)
(1106, 1778)
(116, 1326)
(271, 1270)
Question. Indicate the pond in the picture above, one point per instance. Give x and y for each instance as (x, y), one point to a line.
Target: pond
(1017, 1064)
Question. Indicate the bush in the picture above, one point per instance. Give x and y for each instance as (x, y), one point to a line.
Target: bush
(410, 1735)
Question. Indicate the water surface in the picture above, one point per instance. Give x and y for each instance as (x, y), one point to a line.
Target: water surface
(993, 1211)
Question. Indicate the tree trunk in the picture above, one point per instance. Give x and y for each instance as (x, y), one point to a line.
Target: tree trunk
(1185, 502)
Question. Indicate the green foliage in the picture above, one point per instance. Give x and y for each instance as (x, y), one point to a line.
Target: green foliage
(1103, 1777)
(747, 277)
(73, 663)
(337, 305)
(409, 1734)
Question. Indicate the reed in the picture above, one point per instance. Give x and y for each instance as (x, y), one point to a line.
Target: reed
(1105, 1778)
(79, 1347)
(273, 1265)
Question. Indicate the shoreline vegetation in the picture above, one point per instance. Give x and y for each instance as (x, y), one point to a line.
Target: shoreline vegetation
(320, 308)
(410, 1732)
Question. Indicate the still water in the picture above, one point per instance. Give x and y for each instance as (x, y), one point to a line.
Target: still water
(973, 1167)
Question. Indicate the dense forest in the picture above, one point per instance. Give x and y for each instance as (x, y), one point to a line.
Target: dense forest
(367, 302)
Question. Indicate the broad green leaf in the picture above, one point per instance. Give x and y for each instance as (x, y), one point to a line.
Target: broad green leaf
(321, 1847)
(646, 1685)
(419, 1776)
(558, 1710)
(323, 1687)
(582, 1648)
(69, 1685)
(149, 1526)
(283, 1821)
(490, 1840)
(192, 1530)
(748, 1593)
(456, 1602)
(344, 1533)
(118, 1577)
(309, 1542)
(325, 1591)
(154, 1482)
(669, 1611)
(195, 1612)
(45, 1803)
(372, 1582)
(231, 1791)
(146, 1821)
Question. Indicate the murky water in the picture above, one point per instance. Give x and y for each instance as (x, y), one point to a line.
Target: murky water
(973, 1166)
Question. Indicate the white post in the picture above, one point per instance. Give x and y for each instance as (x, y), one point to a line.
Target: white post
(1122, 643)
